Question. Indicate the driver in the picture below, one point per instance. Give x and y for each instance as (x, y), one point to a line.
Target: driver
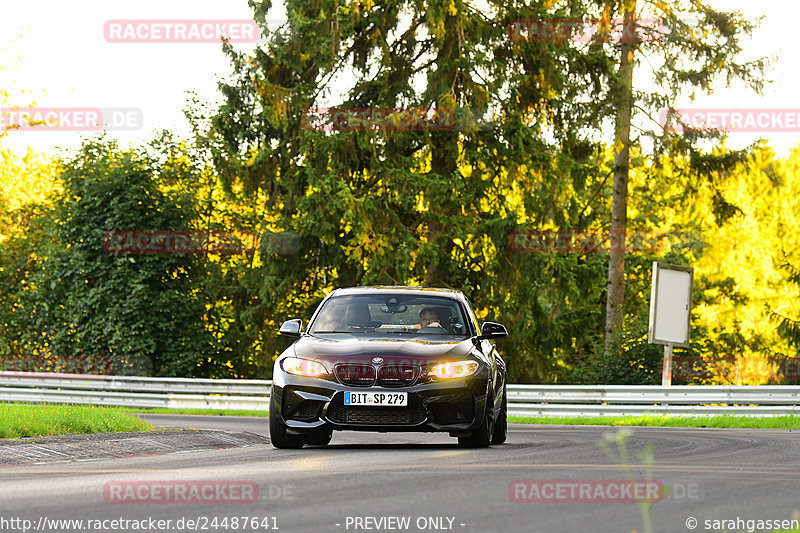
(428, 318)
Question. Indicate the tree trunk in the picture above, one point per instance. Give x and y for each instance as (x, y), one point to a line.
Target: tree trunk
(619, 202)
(444, 153)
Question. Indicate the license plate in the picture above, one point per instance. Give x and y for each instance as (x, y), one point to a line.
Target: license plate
(385, 399)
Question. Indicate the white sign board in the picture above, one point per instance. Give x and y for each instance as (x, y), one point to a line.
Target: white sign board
(670, 304)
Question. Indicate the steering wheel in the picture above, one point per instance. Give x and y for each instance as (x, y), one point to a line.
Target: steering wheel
(434, 329)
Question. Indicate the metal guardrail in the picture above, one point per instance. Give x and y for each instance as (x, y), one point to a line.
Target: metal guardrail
(634, 400)
(123, 391)
(523, 400)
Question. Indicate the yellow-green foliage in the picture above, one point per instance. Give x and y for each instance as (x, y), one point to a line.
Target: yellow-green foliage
(750, 249)
(24, 181)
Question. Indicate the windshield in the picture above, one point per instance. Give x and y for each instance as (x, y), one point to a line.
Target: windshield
(391, 314)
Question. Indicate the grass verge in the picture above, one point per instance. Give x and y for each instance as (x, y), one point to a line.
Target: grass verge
(209, 412)
(777, 422)
(34, 420)
(721, 421)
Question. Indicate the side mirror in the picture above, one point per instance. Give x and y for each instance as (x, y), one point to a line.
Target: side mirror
(291, 328)
(492, 330)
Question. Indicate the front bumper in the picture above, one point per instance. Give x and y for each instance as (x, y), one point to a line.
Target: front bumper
(448, 406)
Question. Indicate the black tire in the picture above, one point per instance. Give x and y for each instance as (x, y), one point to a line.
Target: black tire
(501, 424)
(277, 430)
(481, 436)
(318, 437)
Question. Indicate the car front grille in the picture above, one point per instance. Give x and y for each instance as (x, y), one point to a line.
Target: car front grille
(396, 375)
(355, 374)
(376, 416)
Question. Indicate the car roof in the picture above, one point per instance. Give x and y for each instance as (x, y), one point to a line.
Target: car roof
(399, 289)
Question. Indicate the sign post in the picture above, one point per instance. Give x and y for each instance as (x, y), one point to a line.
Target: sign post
(670, 311)
(666, 366)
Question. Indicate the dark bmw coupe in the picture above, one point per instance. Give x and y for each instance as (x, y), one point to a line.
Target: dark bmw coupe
(390, 359)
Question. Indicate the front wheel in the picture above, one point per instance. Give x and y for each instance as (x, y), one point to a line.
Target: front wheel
(277, 429)
(501, 424)
(482, 435)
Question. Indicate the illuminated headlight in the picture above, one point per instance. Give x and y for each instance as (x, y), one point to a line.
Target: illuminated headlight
(303, 367)
(459, 369)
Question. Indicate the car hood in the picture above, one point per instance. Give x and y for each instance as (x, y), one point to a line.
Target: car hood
(349, 348)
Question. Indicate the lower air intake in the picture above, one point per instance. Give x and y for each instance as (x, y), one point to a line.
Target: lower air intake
(376, 416)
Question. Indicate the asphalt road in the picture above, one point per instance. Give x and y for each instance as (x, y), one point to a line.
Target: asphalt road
(362, 480)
